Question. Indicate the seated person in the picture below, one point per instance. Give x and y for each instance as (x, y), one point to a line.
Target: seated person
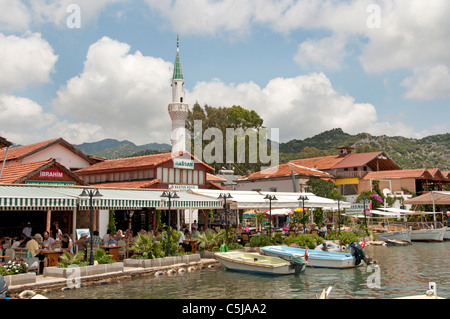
(111, 241)
(67, 243)
(194, 233)
(33, 248)
(182, 242)
(48, 241)
(18, 242)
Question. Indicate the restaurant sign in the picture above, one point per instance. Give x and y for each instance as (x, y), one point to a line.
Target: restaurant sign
(52, 173)
(50, 183)
(183, 187)
(183, 163)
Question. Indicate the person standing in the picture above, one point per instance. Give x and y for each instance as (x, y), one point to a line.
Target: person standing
(27, 230)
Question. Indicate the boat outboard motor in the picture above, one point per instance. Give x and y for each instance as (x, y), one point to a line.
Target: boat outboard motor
(298, 263)
(357, 252)
(3, 287)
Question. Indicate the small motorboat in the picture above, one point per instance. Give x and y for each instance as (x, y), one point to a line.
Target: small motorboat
(320, 258)
(430, 294)
(261, 264)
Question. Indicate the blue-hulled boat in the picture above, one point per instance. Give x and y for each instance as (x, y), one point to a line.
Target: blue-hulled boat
(318, 258)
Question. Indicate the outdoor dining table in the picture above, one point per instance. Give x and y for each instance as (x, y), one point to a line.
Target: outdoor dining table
(113, 251)
(52, 256)
(194, 245)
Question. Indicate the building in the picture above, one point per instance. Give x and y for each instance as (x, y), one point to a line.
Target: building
(48, 172)
(282, 178)
(348, 168)
(59, 149)
(407, 181)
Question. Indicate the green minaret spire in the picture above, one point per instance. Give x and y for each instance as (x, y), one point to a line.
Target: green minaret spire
(177, 73)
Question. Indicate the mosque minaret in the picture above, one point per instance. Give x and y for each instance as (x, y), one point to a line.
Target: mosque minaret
(178, 110)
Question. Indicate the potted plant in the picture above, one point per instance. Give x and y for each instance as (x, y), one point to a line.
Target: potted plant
(15, 272)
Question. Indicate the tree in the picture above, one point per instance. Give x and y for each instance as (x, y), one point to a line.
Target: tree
(321, 188)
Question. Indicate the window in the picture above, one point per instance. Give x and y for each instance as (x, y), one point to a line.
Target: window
(184, 176)
(159, 173)
(189, 177)
(171, 175)
(177, 176)
(201, 177)
(165, 175)
(195, 177)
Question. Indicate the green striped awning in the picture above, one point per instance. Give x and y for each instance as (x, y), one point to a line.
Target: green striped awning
(35, 197)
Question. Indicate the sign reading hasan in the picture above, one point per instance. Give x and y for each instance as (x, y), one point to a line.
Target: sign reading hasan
(183, 163)
(52, 173)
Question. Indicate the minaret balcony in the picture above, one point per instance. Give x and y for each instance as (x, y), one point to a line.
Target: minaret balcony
(178, 107)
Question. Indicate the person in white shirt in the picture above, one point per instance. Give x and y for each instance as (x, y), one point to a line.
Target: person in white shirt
(27, 230)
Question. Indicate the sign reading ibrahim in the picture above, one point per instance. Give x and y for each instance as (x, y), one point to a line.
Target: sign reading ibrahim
(52, 173)
(183, 163)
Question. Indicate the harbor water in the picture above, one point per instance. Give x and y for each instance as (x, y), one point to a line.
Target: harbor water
(400, 271)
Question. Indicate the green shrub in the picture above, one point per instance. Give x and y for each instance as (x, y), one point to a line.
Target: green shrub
(304, 240)
(260, 241)
(146, 248)
(102, 257)
(346, 238)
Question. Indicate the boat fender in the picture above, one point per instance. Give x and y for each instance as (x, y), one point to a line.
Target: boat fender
(181, 271)
(191, 269)
(171, 272)
(160, 273)
(357, 252)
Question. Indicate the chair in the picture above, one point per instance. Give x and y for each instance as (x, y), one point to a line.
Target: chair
(122, 250)
(245, 238)
(252, 232)
(314, 232)
(11, 253)
(291, 233)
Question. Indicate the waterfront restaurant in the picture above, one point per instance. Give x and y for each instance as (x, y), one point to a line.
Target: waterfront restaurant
(156, 171)
(37, 203)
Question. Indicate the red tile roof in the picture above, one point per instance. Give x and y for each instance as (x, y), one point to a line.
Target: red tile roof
(4, 142)
(285, 170)
(20, 172)
(405, 173)
(437, 174)
(129, 163)
(320, 163)
(133, 184)
(20, 152)
(214, 178)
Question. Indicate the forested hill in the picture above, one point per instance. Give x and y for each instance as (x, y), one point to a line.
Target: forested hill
(428, 152)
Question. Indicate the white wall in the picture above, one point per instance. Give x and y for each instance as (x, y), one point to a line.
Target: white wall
(61, 154)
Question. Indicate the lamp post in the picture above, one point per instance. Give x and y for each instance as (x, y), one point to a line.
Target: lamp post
(91, 194)
(365, 218)
(270, 198)
(302, 199)
(339, 214)
(224, 197)
(169, 196)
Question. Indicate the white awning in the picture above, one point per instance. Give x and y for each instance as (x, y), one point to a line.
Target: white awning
(255, 199)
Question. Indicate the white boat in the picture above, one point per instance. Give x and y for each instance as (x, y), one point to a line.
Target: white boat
(430, 294)
(260, 264)
(428, 234)
(316, 258)
(401, 235)
(447, 234)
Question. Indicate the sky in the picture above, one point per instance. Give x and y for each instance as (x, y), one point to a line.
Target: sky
(89, 70)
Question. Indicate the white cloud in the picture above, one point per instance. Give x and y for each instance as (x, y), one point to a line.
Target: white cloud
(22, 119)
(125, 94)
(14, 16)
(327, 52)
(25, 61)
(428, 83)
(300, 107)
(56, 11)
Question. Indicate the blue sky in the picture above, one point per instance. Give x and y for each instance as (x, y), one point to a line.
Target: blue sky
(305, 66)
